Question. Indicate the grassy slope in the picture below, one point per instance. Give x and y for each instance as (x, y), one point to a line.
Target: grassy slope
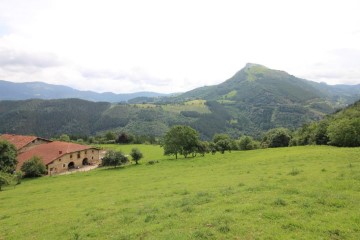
(242, 195)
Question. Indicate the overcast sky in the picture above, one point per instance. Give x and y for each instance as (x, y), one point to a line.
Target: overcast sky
(174, 46)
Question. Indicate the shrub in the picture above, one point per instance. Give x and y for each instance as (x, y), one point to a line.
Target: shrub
(5, 179)
(34, 167)
(114, 158)
(278, 137)
(248, 143)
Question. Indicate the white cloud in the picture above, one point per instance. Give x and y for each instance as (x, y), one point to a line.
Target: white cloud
(173, 46)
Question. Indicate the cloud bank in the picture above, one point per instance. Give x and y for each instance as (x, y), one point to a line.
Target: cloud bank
(174, 46)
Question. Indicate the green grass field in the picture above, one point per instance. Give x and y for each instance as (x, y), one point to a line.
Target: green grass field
(307, 192)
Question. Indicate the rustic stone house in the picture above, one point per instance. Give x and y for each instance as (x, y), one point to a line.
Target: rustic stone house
(23, 143)
(57, 156)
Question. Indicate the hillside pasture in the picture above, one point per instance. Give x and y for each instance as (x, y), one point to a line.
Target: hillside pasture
(307, 192)
(151, 152)
(194, 105)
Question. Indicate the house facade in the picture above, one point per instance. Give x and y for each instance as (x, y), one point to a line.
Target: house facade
(73, 160)
(57, 156)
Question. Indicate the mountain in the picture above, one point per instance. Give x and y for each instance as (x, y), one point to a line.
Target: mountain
(251, 102)
(258, 84)
(257, 98)
(40, 90)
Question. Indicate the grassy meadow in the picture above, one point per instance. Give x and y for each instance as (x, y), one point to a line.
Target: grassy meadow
(309, 192)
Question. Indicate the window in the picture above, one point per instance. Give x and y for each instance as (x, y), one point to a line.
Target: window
(70, 155)
(59, 159)
(64, 165)
(92, 151)
(92, 157)
(51, 169)
(78, 155)
(85, 152)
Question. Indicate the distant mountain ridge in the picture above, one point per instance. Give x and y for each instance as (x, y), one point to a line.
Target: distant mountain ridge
(258, 79)
(251, 102)
(40, 90)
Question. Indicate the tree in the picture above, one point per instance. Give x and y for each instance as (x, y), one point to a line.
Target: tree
(344, 132)
(180, 140)
(222, 136)
(202, 148)
(222, 142)
(64, 138)
(124, 138)
(277, 137)
(114, 158)
(136, 155)
(321, 136)
(213, 148)
(8, 156)
(34, 167)
(110, 136)
(247, 143)
(5, 179)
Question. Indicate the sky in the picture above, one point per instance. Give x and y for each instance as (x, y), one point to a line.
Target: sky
(174, 46)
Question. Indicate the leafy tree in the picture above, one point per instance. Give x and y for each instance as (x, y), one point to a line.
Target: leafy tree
(247, 143)
(344, 132)
(109, 136)
(222, 136)
(180, 140)
(64, 138)
(8, 156)
(223, 145)
(212, 147)
(222, 142)
(321, 136)
(136, 155)
(5, 179)
(203, 147)
(114, 158)
(34, 167)
(277, 137)
(124, 138)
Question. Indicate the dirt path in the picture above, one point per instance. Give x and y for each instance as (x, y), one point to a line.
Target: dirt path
(82, 169)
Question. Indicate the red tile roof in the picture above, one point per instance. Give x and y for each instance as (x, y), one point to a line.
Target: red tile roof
(18, 140)
(48, 152)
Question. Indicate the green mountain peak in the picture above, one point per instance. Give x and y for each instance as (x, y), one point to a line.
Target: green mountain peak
(253, 65)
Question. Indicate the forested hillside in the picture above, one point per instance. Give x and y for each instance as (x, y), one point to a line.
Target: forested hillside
(253, 101)
(339, 129)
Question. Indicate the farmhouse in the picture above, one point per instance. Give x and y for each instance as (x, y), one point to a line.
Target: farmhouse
(23, 143)
(57, 156)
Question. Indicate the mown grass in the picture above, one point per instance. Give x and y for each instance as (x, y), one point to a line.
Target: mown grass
(289, 193)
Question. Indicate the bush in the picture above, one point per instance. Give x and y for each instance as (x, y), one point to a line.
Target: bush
(114, 158)
(278, 137)
(5, 179)
(247, 143)
(34, 167)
